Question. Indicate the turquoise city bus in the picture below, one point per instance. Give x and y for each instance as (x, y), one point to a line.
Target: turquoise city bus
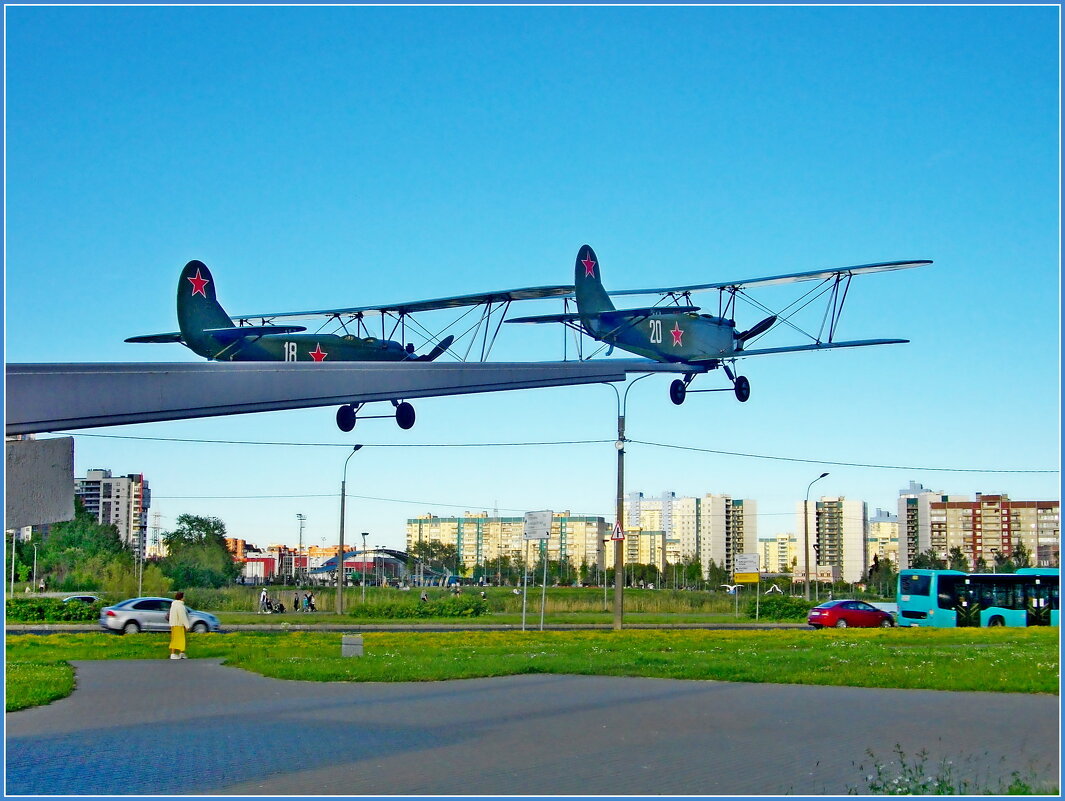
(949, 598)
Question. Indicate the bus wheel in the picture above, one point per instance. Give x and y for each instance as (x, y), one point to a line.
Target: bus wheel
(996, 621)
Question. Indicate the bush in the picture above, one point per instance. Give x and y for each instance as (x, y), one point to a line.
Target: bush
(781, 607)
(51, 610)
(453, 606)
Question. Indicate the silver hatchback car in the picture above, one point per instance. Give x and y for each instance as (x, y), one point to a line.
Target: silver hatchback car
(150, 614)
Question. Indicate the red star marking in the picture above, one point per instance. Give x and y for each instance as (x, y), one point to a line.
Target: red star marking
(589, 267)
(677, 333)
(198, 284)
(317, 354)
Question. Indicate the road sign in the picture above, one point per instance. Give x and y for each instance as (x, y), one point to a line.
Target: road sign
(537, 525)
(746, 563)
(618, 533)
(745, 578)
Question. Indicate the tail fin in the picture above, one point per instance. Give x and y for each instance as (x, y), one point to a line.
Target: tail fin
(587, 280)
(198, 309)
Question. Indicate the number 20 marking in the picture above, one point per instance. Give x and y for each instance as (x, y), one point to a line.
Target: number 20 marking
(656, 331)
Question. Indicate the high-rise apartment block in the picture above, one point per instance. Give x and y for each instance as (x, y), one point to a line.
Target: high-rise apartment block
(713, 527)
(883, 540)
(985, 527)
(121, 501)
(837, 537)
(778, 554)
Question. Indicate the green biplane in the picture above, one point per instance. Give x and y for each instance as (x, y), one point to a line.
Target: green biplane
(673, 331)
(210, 332)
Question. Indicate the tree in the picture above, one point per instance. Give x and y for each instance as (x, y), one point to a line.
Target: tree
(957, 560)
(1021, 556)
(197, 554)
(76, 552)
(980, 565)
(928, 560)
(1004, 564)
(716, 576)
(436, 555)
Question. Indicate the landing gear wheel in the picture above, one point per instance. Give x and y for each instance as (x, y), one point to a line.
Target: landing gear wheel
(346, 418)
(743, 388)
(405, 416)
(677, 391)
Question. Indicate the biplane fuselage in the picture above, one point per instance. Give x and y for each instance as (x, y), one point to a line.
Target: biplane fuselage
(686, 338)
(312, 348)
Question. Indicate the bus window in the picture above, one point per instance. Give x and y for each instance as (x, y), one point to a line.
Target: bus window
(914, 584)
(948, 591)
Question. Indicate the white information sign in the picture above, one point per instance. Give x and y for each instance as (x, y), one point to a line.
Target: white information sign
(746, 563)
(537, 525)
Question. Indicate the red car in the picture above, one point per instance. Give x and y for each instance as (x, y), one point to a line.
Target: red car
(841, 614)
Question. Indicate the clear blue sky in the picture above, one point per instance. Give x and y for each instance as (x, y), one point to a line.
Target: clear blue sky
(315, 157)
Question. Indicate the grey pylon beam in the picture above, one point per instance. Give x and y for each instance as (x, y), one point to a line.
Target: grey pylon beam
(54, 397)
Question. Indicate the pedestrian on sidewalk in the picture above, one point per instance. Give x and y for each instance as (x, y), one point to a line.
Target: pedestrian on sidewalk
(264, 601)
(179, 624)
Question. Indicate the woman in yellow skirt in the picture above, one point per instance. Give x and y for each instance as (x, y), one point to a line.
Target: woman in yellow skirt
(179, 624)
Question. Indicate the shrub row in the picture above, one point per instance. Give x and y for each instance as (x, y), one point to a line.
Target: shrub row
(780, 607)
(50, 610)
(454, 606)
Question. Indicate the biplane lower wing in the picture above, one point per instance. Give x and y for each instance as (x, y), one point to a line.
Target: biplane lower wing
(857, 343)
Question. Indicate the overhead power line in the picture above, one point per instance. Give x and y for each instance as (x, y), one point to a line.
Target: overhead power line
(553, 443)
(831, 462)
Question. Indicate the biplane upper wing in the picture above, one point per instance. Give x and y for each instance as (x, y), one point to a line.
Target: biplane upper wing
(645, 311)
(455, 302)
(788, 278)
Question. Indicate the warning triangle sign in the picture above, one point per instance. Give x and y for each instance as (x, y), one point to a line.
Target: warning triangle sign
(618, 533)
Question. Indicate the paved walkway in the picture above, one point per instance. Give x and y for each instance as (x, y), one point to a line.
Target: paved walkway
(239, 733)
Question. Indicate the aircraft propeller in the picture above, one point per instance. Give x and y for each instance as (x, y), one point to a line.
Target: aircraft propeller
(759, 328)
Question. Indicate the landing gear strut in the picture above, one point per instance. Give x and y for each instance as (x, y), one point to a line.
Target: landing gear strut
(347, 415)
(678, 390)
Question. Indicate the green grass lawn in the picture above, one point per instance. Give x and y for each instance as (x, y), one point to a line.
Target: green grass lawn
(995, 660)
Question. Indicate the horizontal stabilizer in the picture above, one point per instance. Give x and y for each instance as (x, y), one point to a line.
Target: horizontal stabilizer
(242, 331)
(857, 343)
(174, 336)
(612, 314)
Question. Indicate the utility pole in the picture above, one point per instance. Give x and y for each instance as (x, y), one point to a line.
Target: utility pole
(301, 518)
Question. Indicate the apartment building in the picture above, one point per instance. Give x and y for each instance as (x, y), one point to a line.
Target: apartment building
(837, 529)
(777, 554)
(121, 501)
(711, 527)
(993, 524)
(883, 541)
(480, 538)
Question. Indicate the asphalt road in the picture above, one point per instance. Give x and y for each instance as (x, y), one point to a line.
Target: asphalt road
(195, 727)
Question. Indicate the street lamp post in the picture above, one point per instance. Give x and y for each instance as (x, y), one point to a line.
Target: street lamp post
(295, 568)
(340, 545)
(362, 566)
(806, 535)
(619, 545)
(35, 564)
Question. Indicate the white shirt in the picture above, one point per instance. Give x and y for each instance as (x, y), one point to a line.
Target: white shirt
(179, 616)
